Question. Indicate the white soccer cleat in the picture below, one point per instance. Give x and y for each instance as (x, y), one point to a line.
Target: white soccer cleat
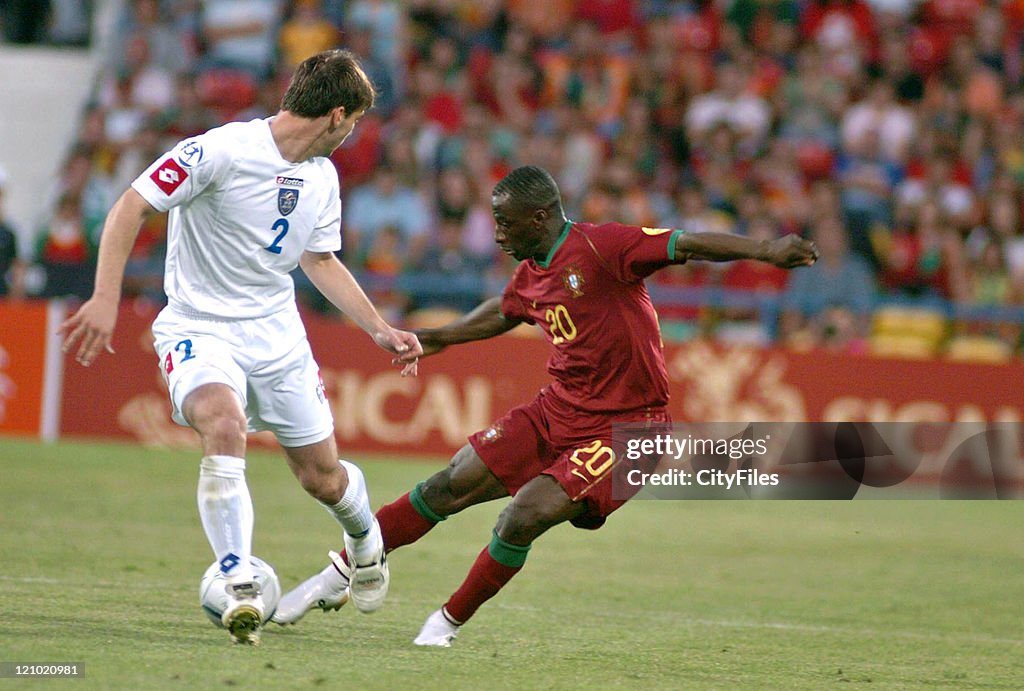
(438, 631)
(243, 617)
(368, 576)
(327, 590)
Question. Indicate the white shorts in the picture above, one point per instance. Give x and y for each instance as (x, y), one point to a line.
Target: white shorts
(266, 361)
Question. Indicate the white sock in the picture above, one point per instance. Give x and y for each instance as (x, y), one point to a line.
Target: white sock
(353, 511)
(225, 509)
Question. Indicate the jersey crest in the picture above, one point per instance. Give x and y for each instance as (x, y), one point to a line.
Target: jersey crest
(287, 199)
(493, 433)
(573, 279)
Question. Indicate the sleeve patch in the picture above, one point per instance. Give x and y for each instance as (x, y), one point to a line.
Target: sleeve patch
(168, 176)
(191, 153)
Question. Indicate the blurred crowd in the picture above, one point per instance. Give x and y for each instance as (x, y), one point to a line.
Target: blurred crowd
(53, 22)
(890, 131)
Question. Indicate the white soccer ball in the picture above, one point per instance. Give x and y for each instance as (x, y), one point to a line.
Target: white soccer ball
(213, 597)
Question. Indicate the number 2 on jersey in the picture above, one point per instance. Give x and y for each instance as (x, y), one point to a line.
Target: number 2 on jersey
(560, 324)
(275, 246)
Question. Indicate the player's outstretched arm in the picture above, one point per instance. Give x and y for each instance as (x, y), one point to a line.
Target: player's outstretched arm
(485, 321)
(338, 285)
(92, 326)
(787, 252)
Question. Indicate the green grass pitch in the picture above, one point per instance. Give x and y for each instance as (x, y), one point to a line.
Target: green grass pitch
(101, 551)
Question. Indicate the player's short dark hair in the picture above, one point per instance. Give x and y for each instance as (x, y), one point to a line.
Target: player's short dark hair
(327, 80)
(530, 186)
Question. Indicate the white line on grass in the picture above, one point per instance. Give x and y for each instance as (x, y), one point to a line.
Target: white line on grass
(105, 585)
(29, 579)
(645, 615)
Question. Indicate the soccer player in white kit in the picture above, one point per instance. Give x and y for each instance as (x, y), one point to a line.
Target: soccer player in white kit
(248, 202)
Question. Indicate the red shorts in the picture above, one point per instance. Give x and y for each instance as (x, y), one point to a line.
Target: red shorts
(550, 437)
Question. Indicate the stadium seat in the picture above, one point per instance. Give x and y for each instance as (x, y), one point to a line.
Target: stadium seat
(910, 332)
(981, 349)
(902, 346)
(926, 323)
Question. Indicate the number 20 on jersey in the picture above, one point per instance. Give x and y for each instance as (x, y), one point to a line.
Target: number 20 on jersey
(560, 325)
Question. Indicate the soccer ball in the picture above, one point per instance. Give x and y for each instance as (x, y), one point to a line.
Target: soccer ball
(213, 598)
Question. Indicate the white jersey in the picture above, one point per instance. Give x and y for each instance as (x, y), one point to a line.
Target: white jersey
(240, 218)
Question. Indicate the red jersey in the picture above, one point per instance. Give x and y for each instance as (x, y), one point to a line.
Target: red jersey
(589, 296)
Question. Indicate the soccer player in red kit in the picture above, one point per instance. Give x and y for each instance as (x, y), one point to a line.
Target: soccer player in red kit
(556, 455)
